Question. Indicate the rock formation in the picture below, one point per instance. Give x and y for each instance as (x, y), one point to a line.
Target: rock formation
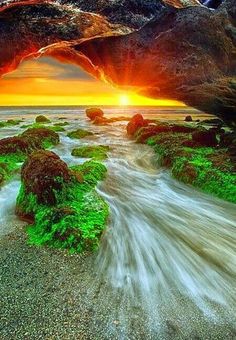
(189, 49)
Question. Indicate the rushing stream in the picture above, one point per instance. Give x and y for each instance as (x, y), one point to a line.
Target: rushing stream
(169, 249)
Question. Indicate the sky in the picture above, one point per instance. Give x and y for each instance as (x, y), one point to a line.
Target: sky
(46, 81)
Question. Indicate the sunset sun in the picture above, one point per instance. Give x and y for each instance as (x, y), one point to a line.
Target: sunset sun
(124, 100)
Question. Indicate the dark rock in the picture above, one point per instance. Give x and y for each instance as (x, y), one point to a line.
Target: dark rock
(182, 129)
(188, 119)
(42, 174)
(205, 138)
(135, 123)
(213, 121)
(227, 140)
(93, 113)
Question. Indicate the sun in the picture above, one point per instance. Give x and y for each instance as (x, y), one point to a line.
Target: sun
(124, 100)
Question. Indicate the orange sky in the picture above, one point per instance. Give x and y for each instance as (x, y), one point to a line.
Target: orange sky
(47, 82)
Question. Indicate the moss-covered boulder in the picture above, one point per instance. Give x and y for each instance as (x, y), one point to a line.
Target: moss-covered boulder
(15, 145)
(42, 119)
(14, 150)
(41, 137)
(79, 133)
(42, 174)
(94, 112)
(69, 215)
(10, 122)
(97, 152)
(208, 168)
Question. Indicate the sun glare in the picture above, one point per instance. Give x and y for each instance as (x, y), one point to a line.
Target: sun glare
(124, 100)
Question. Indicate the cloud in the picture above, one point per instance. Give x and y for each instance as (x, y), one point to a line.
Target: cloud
(48, 68)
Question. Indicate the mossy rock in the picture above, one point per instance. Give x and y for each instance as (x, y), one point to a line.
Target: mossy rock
(77, 216)
(80, 133)
(41, 137)
(10, 122)
(208, 168)
(14, 150)
(61, 124)
(42, 119)
(97, 152)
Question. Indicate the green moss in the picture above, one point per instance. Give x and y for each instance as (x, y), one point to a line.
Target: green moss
(77, 220)
(196, 166)
(10, 122)
(97, 152)
(92, 172)
(9, 164)
(40, 125)
(207, 177)
(80, 133)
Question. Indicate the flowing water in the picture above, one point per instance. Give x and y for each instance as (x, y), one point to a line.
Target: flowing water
(169, 250)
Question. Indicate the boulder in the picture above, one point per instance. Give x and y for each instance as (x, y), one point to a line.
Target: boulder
(94, 112)
(204, 138)
(149, 131)
(42, 174)
(182, 129)
(42, 119)
(227, 139)
(136, 122)
(101, 120)
(79, 133)
(188, 119)
(40, 137)
(15, 145)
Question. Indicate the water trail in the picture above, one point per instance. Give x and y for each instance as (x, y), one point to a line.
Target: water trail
(8, 195)
(168, 256)
(165, 239)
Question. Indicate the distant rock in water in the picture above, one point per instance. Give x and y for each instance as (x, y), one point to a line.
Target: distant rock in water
(94, 113)
(42, 119)
(188, 119)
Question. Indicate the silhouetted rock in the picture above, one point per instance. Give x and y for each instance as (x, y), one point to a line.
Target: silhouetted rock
(188, 119)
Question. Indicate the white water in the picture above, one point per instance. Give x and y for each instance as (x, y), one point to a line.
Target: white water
(168, 249)
(7, 206)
